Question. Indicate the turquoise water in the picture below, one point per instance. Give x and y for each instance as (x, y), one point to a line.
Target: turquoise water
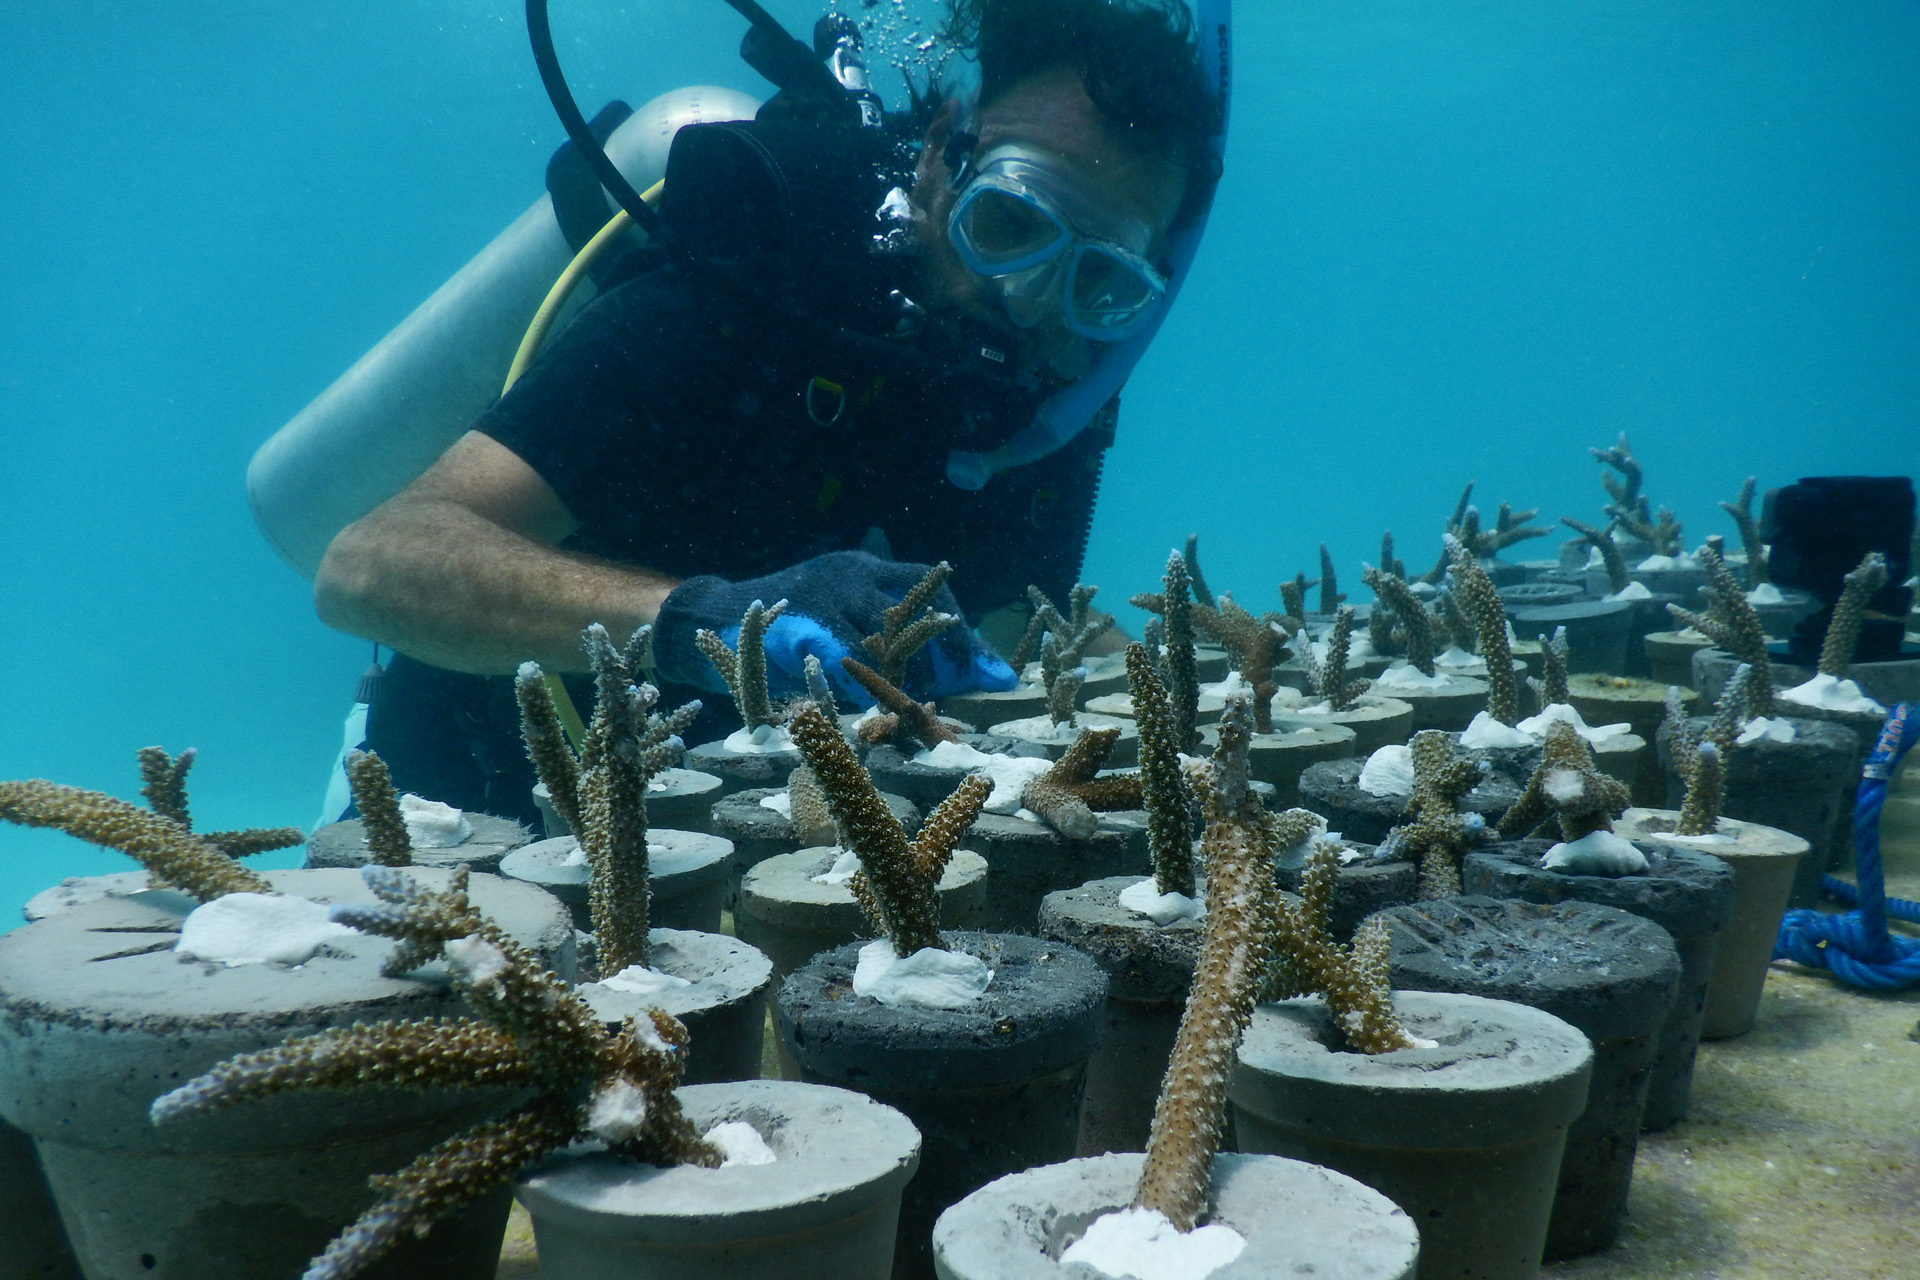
(1456, 241)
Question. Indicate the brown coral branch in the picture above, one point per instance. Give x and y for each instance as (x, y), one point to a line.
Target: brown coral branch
(379, 806)
(1481, 603)
(810, 818)
(1618, 579)
(1850, 612)
(1238, 847)
(744, 667)
(1330, 594)
(1068, 794)
(898, 880)
(901, 635)
(156, 842)
(1163, 789)
(546, 739)
(1731, 623)
(1566, 791)
(165, 779)
(1352, 978)
(1329, 677)
(916, 718)
(1435, 831)
(1257, 646)
(1396, 599)
(1741, 510)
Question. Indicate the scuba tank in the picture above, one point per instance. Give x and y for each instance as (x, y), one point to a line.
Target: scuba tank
(386, 419)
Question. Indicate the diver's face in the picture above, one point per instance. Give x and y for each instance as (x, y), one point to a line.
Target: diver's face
(1049, 113)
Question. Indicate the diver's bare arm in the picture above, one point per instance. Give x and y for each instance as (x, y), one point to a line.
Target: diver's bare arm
(460, 570)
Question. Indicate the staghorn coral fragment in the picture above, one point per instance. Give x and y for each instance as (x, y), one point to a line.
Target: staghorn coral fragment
(811, 820)
(1329, 676)
(1293, 599)
(1436, 832)
(1699, 755)
(743, 667)
(1510, 526)
(1741, 511)
(898, 879)
(1551, 688)
(532, 1035)
(165, 782)
(1330, 594)
(546, 739)
(1175, 664)
(1257, 645)
(1399, 618)
(158, 843)
(425, 1053)
(1731, 623)
(1352, 978)
(1849, 612)
(1239, 848)
(379, 806)
(1198, 581)
(1071, 792)
(1624, 489)
(1163, 788)
(1618, 579)
(819, 691)
(1481, 604)
(916, 718)
(901, 634)
(1566, 792)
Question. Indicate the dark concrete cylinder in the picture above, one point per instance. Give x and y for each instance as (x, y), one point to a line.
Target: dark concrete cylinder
(1685, 892)
(686, 870)
(895, 771)
(1597, 631)
(1796, 786)
(344, 844)
(738, 770)
(1610, 974)
(1465, 1134)
(1149, 968)
(758, 832)
(1332, 790)
(1027, 860)
(994, 1088)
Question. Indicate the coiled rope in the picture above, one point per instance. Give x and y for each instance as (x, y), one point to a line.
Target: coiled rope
(1856, 945)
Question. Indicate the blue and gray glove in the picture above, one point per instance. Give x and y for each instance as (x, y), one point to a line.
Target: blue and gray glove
(834, 602)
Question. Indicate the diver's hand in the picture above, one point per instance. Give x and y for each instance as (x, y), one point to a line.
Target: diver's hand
(834, 602)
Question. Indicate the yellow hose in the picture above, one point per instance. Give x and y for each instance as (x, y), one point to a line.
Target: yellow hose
(563, 287)
(536, 334)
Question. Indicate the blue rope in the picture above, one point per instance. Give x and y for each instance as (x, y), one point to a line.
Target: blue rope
(1856, 945)
(1848, 892)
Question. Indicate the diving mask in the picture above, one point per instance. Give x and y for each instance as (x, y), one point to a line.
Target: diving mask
(1018, 222)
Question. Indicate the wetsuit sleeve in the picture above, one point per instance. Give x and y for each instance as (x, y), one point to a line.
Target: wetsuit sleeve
(618, 410)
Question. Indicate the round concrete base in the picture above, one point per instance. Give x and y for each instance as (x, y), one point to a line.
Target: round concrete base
(344, 844)
(1376, 720)
(982, 708)
(1126, 750)
(1597, 631)
(825, 1209)
(1763, 861)
(1332, 790)
(1670, 655)
(1149, 968)
(994, 1087)
(1298, 1220)
(686, 871)
(792, 917)
(1636, 702)
(1466, 1135)
(1280, 758)
(1027, 860)
(738, 770)
(98, 1016)
(724, 1007)
(1685, 892)
(895, 771)
(758, 832)
(1608, 973)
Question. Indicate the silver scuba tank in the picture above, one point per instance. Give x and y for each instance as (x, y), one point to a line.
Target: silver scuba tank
(398, 408)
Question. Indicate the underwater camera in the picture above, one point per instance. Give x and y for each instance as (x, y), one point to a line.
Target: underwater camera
(1819, 529)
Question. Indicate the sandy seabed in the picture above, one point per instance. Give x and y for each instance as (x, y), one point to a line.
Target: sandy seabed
(1800, 1159)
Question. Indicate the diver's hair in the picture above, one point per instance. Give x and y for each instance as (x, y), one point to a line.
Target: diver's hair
(1140, 60)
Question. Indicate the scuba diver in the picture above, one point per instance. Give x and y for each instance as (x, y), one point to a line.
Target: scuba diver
(855, 344)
